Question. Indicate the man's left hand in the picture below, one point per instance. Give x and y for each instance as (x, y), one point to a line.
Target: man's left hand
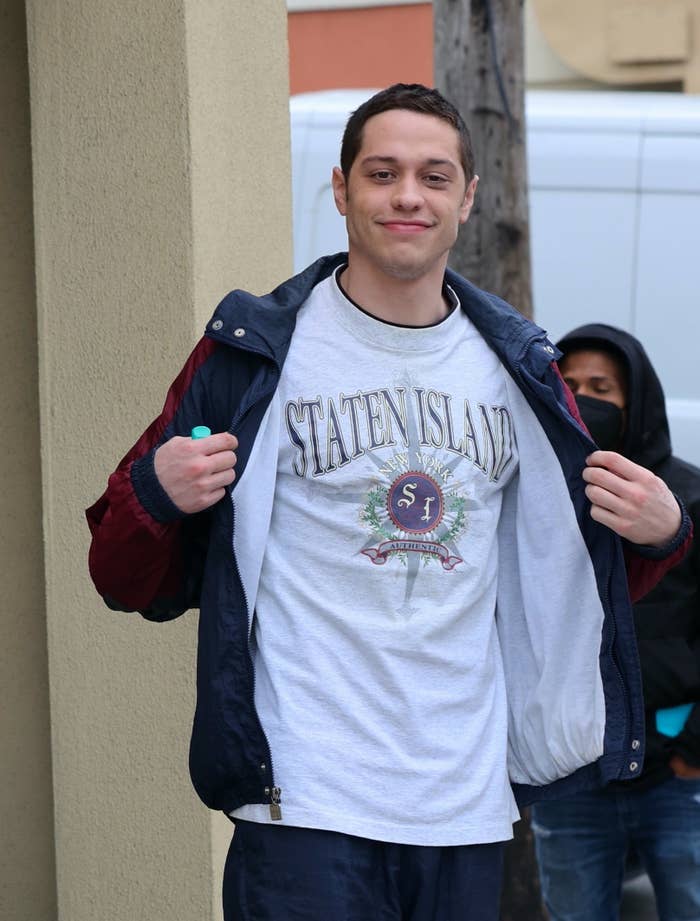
(630, 499)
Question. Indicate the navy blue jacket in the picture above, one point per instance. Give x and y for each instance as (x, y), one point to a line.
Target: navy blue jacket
(148, 556)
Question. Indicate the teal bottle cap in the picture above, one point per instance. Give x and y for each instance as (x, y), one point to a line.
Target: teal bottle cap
(201, 431)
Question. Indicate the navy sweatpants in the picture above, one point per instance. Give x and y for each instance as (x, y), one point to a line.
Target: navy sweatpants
(282, 873)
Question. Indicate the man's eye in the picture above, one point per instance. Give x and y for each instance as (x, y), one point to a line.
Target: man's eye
(435, 179)
(383, 175)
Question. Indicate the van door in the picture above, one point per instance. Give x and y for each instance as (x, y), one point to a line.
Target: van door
(583, 166)
(667, 308)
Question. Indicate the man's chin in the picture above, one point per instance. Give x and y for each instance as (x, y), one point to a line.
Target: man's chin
(407, 271)
(399, 263)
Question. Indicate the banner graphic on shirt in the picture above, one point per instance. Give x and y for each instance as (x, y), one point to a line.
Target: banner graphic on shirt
(380, 554)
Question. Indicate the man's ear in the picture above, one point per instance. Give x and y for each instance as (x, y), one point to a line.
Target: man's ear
(468, 202)
(340, 190)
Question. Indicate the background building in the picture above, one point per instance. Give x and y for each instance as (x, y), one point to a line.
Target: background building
(368, 43)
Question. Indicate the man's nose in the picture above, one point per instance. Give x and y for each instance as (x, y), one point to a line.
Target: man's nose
(408, 195)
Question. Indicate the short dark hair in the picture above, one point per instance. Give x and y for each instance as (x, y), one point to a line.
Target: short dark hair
(415, 98)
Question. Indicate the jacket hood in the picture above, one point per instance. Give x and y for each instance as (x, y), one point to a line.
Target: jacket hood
(647, 440)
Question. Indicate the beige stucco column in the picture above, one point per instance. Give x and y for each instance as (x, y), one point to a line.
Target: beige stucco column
(27, 878)
(161, 180)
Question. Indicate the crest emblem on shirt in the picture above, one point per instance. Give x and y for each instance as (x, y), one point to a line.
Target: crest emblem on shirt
(415, 503)
(414, 515)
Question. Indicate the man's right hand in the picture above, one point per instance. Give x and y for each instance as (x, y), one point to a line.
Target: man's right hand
(195, 471)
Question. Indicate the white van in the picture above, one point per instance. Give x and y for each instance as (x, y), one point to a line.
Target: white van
(615, 219)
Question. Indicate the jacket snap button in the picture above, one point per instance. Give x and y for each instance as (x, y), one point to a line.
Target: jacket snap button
(549, 349)
(217, 324)
(239, 332)
(635, 744)
(633, 766)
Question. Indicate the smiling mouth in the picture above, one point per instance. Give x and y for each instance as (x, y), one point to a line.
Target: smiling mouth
(405, 226)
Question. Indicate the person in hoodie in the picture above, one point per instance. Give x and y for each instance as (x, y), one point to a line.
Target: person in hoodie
(582, 840)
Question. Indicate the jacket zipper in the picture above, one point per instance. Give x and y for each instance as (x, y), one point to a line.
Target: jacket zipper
(275, 808)
(613, 657)
(272, 793)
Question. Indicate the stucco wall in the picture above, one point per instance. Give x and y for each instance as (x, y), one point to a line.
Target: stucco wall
(160, 181)
(27, 877)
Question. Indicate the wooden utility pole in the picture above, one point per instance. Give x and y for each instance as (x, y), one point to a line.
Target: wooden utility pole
(479, 66)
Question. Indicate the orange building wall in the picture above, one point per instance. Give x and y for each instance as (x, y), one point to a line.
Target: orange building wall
(375, 46)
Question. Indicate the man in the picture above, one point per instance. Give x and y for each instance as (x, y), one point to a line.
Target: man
(384, 641)
(582, 840)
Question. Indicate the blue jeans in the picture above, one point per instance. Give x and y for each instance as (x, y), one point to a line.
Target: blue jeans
(581, 844)
(284, 873)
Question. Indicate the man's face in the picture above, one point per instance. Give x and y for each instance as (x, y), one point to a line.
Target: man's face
(590, 373)
(406, 195)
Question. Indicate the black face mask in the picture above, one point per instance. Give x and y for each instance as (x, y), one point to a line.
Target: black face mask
(603, 420)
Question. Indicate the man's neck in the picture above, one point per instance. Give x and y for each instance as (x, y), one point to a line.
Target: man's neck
(406, 302)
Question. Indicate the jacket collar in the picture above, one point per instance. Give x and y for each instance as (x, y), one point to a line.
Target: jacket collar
(265, 324)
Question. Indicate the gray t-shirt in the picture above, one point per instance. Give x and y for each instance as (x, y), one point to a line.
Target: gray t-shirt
(379, 679)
